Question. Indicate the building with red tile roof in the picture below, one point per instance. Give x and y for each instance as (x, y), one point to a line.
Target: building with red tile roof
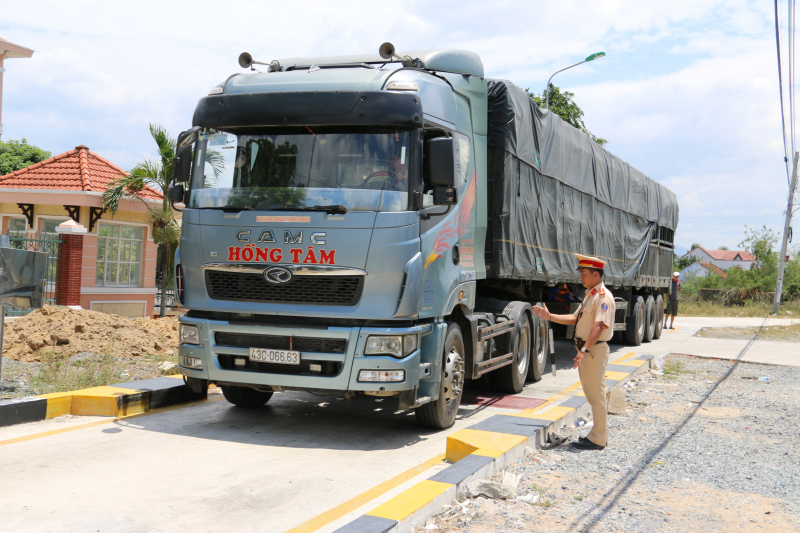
(118, 259)
(701, 269)
(723, 259)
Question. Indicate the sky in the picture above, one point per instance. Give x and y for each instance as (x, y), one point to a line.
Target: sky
(687, 93)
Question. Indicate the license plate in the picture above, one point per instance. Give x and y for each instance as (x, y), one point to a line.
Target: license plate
(281, 357)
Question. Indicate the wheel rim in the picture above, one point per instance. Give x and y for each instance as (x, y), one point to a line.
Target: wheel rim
(541, 346)
(453, 375)
(523, 350)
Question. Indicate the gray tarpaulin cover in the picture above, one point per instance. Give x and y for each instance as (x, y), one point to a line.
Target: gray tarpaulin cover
(556, 192)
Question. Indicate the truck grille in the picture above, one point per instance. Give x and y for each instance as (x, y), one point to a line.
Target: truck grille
(329, 368)
(280, 342)
(249, 287)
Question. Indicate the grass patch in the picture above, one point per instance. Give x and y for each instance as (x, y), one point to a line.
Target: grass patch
(702, 308)
(672, 369)
(578, 498)
(60, 374)
(543, 500)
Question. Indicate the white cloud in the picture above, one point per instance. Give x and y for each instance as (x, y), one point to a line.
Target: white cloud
(687, 94)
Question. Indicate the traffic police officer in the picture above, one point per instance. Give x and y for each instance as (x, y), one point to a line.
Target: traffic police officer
(594, 325)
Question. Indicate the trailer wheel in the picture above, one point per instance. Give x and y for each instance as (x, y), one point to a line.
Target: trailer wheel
(634, 329)
(441, 414)
(659, 317)
(539, 351)
(245, 396)
(511, 378)
(650, 319)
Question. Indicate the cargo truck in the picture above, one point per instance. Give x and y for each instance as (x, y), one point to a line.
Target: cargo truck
(381, 224)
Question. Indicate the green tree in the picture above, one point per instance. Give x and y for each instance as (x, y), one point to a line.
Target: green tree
(16, 155)
(695, 245)
(679, 263)
(158, 174)
(563, 105)
(723, 248)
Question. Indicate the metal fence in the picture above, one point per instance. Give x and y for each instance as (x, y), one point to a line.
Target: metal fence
(41, 242)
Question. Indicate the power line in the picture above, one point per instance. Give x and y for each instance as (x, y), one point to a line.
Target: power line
(780, 90)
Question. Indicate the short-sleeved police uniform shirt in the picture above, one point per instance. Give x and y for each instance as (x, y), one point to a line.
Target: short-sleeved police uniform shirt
(598, 306)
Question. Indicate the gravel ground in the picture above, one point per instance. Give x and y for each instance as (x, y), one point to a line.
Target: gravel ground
(770, 333)
(706, 446)
(15, 379)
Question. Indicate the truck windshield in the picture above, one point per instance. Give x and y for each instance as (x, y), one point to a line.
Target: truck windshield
(302, 168)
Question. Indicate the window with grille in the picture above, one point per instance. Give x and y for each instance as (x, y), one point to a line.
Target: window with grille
(119, 255)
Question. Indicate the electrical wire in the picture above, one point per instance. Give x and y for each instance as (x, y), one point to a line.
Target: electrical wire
(792, 121)
(780, 90)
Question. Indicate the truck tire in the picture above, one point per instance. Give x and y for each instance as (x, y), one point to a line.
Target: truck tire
(634, 329)
(245, 396)
(659, 317)
(650, 319)
(511, 378)
(441, 413)
(539, 349)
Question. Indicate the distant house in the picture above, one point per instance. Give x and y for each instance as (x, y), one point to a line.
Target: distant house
(701, 270)
(723, 259)
(117, 263)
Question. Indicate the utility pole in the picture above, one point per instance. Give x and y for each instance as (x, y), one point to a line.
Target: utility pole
(787, 228)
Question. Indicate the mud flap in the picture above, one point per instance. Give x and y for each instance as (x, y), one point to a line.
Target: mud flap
(407, 399)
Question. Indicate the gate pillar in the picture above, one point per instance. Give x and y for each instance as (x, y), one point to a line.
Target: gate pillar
(70, 264)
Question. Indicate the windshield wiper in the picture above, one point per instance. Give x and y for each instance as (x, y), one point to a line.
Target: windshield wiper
(330, 209)
(231, 208)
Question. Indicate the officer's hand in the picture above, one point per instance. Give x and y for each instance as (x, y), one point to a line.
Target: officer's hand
(541, 312)
(578, 359)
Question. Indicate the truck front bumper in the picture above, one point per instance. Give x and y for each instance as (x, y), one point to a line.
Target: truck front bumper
(341, 370)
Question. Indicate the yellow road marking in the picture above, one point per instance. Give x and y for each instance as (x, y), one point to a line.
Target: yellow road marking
(101, 422)
(411, 500)
(365, 497)
(488, 443)
(674, 330)
(621, 359)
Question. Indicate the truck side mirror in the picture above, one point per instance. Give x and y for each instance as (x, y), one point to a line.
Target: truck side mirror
(183, 164)
(439, 170)
(176, 193)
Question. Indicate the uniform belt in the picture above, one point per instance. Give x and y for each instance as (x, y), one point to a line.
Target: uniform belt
(580, 342)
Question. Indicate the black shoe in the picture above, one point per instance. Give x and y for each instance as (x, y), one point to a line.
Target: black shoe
(585, 444)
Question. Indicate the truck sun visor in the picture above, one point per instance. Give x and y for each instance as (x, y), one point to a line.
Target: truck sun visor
(363, 108)
(556, 192)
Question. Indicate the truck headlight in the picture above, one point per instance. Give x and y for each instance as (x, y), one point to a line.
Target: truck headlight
(394, 345)
(189, 334)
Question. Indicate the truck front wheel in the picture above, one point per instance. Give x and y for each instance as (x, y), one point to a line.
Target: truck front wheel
(245, 396)
(441, 414)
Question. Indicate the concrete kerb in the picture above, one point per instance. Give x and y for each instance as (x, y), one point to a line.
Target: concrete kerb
(484, 449)
(114, 400)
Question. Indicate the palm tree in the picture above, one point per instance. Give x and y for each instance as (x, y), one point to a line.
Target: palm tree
(157, 174)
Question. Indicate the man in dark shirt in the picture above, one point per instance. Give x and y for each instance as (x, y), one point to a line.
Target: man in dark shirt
(672, 300)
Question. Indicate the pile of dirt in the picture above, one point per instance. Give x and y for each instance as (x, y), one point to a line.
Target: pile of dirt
(67, 332)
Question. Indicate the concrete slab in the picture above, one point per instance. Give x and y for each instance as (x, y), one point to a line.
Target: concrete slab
(268, 469)
(764, 352)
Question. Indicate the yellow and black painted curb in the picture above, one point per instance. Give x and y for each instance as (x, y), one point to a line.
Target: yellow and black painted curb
(483, 449)
(114, 400)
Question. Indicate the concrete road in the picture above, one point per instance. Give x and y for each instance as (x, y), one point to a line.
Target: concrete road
(214, 467)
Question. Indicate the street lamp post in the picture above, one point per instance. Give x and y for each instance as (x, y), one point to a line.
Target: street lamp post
(547, 89)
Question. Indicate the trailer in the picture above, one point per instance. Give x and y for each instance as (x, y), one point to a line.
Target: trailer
(381, 224)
